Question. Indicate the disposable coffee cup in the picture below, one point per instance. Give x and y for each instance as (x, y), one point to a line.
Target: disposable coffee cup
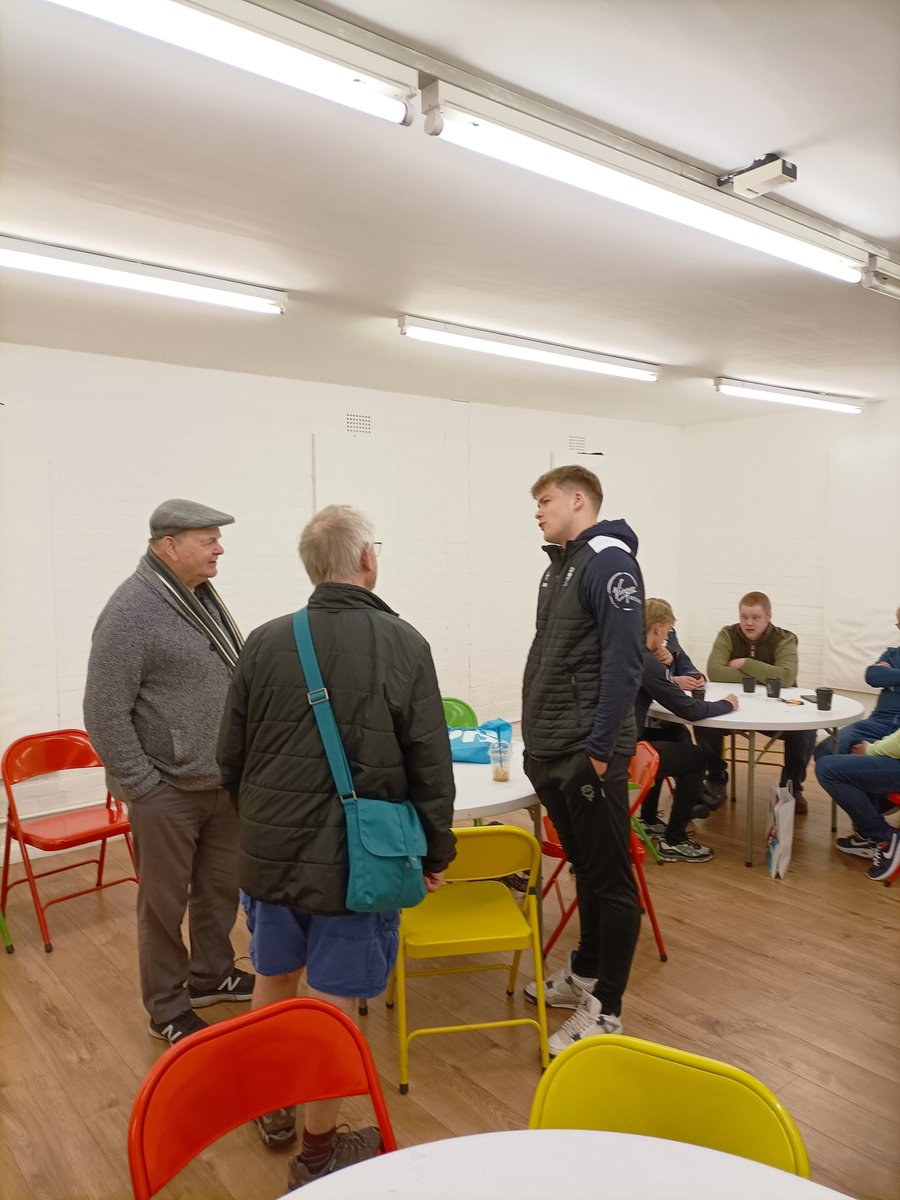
(749, 683)
(773, 687)
(499, 756)
(698, 693)
(823, 698)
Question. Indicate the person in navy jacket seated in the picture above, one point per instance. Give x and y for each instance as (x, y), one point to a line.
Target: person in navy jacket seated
(885, 717)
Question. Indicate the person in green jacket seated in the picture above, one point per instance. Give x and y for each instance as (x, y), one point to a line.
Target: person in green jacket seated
(755, 647)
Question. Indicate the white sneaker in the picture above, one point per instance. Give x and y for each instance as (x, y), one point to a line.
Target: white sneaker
(562, 989)
(588, 1020)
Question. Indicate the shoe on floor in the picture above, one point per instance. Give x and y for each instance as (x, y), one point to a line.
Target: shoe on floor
(562, 989)
(887, 860)
(237, 985)
(700, 812)
(588, 1020)
(854, 844)
(278, 1128)
(717, 791)
(655, 828)
(350, 1146)
(686, 851)
(176, 1028)
(800, 804)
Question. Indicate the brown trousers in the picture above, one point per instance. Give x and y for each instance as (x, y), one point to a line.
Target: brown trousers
(186, 845)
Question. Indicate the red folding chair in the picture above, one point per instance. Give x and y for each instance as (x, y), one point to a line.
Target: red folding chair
(225, 1076)
(43, 754)
(641, 774)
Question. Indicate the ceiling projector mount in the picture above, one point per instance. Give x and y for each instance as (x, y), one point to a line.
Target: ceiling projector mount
(763, 175)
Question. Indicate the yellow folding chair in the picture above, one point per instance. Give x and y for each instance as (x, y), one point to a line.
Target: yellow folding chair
(627, 1085)
(474, 914)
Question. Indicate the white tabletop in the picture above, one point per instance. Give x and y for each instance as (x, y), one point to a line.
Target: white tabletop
(477, 795)
(536, 1164)
(756, 710)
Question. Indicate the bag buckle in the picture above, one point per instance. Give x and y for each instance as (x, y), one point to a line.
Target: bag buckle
(318, 696)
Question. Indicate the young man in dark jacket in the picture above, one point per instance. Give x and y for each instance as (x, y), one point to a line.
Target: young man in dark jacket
(679, 758)
(293, 864)
(581, 678)
(884, 719)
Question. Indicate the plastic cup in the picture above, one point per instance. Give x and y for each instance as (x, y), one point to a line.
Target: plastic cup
(749, 683)
(499, 756)
(773, 687)
(823, 698)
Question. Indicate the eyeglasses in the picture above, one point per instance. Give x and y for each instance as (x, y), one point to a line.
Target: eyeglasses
(376, 546)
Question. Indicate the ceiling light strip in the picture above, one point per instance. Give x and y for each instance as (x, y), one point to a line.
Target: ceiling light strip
(231, 43)
(67, 263)
(509, 346)
(507, 145)
(742, 390)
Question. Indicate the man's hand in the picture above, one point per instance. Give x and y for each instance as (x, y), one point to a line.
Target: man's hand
(859, 748)
(688, 683)
(737, 663)
(732, 700)
(664, 656)
(883, 664)
(433, 880)
(599, 767)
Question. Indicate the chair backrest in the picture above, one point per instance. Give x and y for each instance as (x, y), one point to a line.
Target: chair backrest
(211, 1082)
(490, 851)
(627, 1085)
(42, 753)
(641, 773)
(458, 714)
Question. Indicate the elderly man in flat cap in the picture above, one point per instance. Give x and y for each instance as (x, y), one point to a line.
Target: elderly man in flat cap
(164, 649)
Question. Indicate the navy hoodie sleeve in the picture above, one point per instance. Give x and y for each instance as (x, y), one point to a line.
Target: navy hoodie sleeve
(681, 661)
(659, 686)
(612, 590)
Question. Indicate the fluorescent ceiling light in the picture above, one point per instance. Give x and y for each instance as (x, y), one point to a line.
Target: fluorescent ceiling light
(138, 276)
(882, 276)
(507, 346)
(519, 149)
(782, 395)
(226, 42)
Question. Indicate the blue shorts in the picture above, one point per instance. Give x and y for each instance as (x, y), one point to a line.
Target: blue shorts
(344, 956)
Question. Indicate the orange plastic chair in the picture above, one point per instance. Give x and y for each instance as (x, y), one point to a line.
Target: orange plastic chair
(225, 1076)
(641, 774)
(43, 754)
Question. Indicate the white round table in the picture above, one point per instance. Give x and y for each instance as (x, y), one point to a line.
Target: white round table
(478, 796)
(536, 1164)
(756, 711)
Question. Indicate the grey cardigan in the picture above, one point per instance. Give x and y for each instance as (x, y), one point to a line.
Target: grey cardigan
(155, 693)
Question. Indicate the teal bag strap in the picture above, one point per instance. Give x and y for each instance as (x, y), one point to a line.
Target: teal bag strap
(317, 695)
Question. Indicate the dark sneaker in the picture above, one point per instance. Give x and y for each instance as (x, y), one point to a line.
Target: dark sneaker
(517, 882)
(655, 828)
(686, 851)
(278, 1128)
(177, 1028)
(588, 1020)
(854, 844)
(700, 812)
(800, 805)
(350, 1146)
(238, 985)
(717, 791)
(562, 989)
(887, 860)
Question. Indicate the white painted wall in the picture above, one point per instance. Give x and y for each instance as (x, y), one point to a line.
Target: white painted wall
(90, 444)
(806, 508)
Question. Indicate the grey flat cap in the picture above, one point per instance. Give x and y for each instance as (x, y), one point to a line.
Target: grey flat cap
(174, 516)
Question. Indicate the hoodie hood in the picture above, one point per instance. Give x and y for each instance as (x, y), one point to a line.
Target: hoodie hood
(612, 529)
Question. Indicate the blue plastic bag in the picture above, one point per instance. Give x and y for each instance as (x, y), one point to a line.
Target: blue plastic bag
(472, 745)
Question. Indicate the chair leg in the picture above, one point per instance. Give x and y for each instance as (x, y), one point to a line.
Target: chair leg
(4, 934)
(513, 973)
(649, 909)
(4, 887)
(363, 1008)
(391, 989)
(38, 907)
(541, 1002)
(638, 826)
(101, 862)
(402, 1036)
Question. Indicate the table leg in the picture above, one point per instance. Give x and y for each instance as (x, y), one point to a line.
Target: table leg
(731, 738)
(834, 750)
(751, 763)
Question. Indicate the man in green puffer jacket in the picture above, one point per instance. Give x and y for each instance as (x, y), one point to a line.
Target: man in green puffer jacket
(293, 861)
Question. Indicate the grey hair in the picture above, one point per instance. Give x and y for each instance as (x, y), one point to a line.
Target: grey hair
(332, 544)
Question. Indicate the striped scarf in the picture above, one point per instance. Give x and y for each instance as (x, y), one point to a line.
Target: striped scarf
(225, 638)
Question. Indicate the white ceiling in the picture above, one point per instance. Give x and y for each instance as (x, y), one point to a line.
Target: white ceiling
(115, 143)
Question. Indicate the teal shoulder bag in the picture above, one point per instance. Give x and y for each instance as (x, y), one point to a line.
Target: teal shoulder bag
(385, 839)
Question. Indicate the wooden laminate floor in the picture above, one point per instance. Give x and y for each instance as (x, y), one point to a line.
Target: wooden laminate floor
(797, 981)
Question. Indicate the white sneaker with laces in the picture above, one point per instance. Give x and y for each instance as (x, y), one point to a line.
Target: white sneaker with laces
(562, 989)
(588, 1020)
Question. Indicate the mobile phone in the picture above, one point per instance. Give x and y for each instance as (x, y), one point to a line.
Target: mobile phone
(811, 699)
